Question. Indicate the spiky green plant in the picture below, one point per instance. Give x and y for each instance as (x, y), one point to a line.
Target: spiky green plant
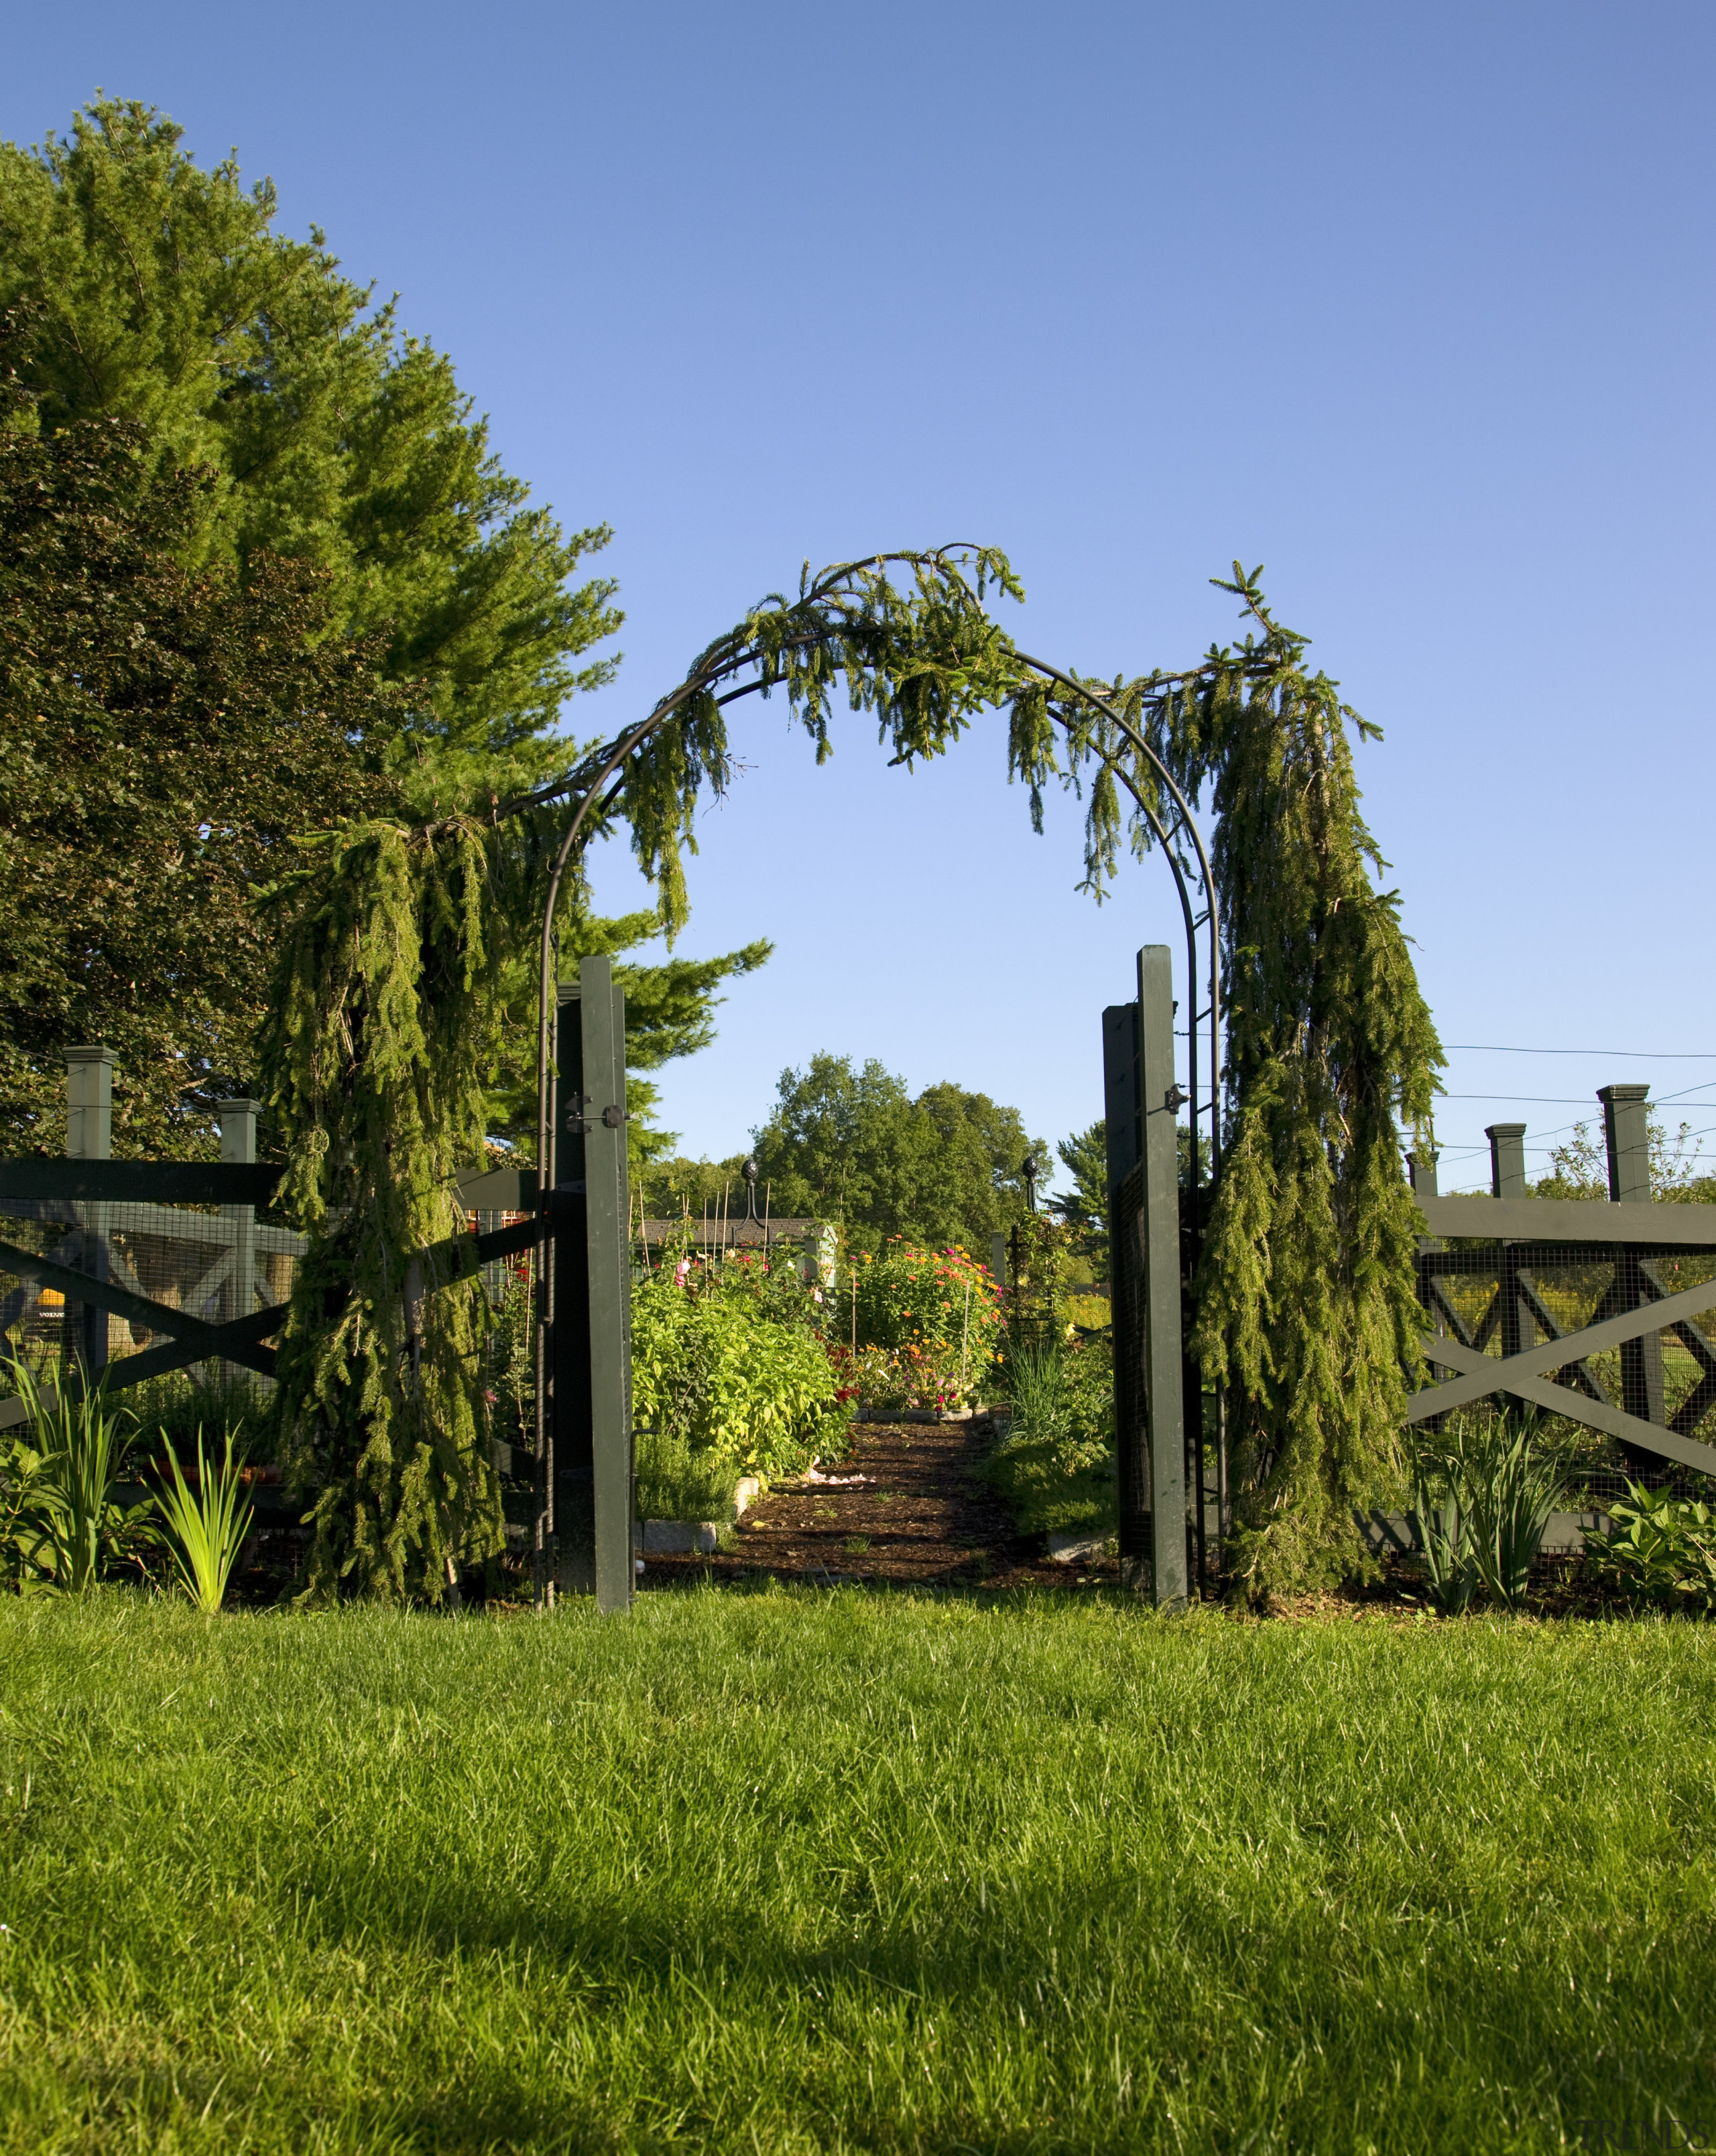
(207, 1527)
(1484, 1490)
(83, 1445)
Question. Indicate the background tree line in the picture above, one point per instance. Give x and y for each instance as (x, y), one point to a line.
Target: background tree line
(850, 1143)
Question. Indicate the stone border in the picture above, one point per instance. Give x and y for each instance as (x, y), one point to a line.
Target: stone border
(863, 1414)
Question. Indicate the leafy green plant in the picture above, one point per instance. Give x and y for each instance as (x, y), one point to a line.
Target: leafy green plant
(1659, 1549)
(25, 1553)
(1484, 1491)
(83, 1448)
(759, 1393)
(512, 1394)
(207, 1528)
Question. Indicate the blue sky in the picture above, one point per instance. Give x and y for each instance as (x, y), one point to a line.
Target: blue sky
(1412, 304)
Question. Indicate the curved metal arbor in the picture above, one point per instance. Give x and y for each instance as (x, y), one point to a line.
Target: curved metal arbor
(729, 658)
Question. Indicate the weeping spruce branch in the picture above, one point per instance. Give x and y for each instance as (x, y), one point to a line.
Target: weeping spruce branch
(382, 1036)
(1305, 1308)
(374, 1054)
(383, 1033)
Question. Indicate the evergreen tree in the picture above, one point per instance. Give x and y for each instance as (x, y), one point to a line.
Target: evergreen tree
(1306, 1302)
(170, 731)
(1085, 1207)
(1306, 1308)
(162, 296)
(167, 730)
(383, 980)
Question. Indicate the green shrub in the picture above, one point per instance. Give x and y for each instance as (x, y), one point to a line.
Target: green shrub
(26, 1551)
(709, 1370)
(1659, 1550)
(223, 1403)
(1055, 1464)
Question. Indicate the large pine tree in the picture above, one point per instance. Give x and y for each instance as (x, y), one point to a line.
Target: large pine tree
(163, 295)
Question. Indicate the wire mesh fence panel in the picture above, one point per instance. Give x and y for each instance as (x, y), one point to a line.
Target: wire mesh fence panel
(1562, 1331)
(213, 1263)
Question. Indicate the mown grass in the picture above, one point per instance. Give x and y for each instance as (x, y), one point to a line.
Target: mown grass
(783, 1871)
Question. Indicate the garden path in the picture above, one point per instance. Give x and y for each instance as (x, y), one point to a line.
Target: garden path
(923, 1517)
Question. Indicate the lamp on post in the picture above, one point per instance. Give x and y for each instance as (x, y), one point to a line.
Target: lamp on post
(1030, 1168)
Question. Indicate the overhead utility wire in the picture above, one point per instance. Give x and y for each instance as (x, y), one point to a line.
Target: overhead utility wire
(1631, 1055)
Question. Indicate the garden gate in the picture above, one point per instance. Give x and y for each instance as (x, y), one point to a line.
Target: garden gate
(98, 1239)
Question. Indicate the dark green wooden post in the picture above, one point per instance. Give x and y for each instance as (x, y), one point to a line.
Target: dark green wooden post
(89, 1135)
(1123, 1120)
(1507, 1180)
(592, 1297)
(1164, 1396)
(609, 1212)
(573, 1514)
(1627, 1131)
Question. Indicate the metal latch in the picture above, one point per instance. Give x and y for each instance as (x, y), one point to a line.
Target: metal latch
(613, 1117)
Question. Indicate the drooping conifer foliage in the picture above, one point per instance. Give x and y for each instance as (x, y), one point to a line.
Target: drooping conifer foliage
(381, 1037)
(376, 1057)
(1305, 1302)
(1307, 1305)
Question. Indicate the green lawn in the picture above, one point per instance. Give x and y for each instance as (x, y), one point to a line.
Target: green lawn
(792, 1871)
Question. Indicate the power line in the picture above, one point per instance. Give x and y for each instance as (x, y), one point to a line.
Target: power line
(1627, 1055)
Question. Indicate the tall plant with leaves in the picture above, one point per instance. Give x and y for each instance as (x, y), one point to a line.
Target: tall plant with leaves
(375, 1055)
(1305, 1303)
(382, 1034)
(1306, 1306)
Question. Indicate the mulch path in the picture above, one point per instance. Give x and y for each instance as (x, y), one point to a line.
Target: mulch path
(921, 1517)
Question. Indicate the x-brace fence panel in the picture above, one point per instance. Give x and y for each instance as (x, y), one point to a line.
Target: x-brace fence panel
(1527, 1299)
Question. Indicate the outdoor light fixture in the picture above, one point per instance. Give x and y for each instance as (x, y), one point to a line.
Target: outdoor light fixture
(1030, 1169)
(749, 1171)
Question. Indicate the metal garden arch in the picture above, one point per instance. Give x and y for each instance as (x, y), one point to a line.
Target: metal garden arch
(602, 788)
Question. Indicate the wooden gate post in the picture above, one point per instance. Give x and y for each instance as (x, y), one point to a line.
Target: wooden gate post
(1507, 1180)
(89, 1135)
(591, 1358)
(1164, 1390)
(1627, 1130)
(1142, 1102)
(237, 1142)
(609, 1213)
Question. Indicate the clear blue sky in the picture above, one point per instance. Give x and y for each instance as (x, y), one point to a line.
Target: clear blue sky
(1412, 304)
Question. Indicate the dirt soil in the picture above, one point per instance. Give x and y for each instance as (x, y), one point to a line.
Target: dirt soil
(921, 1518)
